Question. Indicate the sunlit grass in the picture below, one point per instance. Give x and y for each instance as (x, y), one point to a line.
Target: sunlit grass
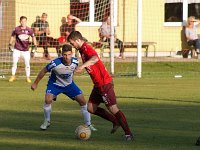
(162, 113)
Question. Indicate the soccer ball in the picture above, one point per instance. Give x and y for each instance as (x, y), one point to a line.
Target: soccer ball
(83, 132)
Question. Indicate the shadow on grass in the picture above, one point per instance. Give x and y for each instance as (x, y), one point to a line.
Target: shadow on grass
(161, 99)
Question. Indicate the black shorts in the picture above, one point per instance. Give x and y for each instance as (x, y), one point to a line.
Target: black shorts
(104, 94)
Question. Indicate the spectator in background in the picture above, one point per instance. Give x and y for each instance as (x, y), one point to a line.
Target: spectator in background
(63, 26)
(191, 32)
(33, 26)
(36, 23)
(69, 26)
(105, 34)
(22, 34)
(41, 32)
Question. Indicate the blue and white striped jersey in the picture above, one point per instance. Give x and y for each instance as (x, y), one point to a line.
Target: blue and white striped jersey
(61, 74)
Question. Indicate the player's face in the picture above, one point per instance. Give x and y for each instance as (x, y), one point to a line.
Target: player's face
(23, 22)
(75, 44)
(44, 18)
(67, 56)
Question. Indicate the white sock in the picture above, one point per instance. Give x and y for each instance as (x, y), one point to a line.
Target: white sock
(47, 111)
(86, 115)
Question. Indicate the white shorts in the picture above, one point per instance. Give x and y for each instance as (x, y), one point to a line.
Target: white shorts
(17, 54)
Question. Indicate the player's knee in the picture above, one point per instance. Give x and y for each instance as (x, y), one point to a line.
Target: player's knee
(91, 109)
(48, 101)
(82, 103)
(113, 109)
(80, 99)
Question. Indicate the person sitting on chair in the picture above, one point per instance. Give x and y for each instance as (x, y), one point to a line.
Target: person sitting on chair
(191, 32)
(105, 34)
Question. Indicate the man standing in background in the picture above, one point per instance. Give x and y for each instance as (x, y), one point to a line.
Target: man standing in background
(22, 34)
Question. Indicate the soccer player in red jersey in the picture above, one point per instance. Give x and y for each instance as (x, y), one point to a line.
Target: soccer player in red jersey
(103, 91)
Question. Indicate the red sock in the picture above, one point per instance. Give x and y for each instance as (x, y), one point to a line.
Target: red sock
(106, 115)
(122, 121)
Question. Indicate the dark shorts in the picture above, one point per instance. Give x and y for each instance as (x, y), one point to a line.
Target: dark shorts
(104, 94)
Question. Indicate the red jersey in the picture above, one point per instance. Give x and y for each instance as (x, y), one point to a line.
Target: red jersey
(97, 72)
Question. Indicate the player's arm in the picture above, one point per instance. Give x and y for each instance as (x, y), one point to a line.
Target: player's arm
(47, 30)
(77, 19)
(34, 40)
(88, 63)
(10, 43)
(11, 39)
(187, 35)
(37, 31)
(38, 78)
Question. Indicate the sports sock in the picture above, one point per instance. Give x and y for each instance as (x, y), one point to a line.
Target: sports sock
(47, 111)
(86, 115)
(106, 115)
(122, 121)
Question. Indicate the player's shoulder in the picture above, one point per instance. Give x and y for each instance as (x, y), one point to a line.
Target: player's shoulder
(74, 60)
(57, 61)
(17, 28)
(87, 46)
(28, 28)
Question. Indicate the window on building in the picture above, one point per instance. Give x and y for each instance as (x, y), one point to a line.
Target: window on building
(177, 11)
(92, 12)
(194, 9)
(174, 12)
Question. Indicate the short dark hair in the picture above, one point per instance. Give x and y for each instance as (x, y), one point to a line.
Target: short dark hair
(44, 14)
(66, 48)
(23, 17)
(75, 35)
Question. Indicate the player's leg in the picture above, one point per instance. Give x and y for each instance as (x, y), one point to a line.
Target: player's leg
(121, 48)
(73, 92)
(93, 107)
(56, 44)
(198, 141)
(86, 115)
(16, 56)
(110, 101)
(44, 43)
(51, 93)
(26, 56)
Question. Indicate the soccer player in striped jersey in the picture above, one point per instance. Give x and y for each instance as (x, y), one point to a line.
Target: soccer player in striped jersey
(103, 90)
(61, 81)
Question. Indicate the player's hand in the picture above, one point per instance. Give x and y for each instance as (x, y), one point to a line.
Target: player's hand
(79, 69)
(34, 49)
(33, 86)
(10, 48)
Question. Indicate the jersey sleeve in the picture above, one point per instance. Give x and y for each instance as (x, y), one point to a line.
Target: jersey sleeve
(50, 66)
(13, 32)
(75, 61)
(31, 33)
(47, 25)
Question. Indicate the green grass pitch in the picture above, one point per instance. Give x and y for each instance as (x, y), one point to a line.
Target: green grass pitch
(163, 113)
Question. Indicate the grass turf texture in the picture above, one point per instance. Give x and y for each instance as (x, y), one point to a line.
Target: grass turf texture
(149, 69)
(163, 114)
